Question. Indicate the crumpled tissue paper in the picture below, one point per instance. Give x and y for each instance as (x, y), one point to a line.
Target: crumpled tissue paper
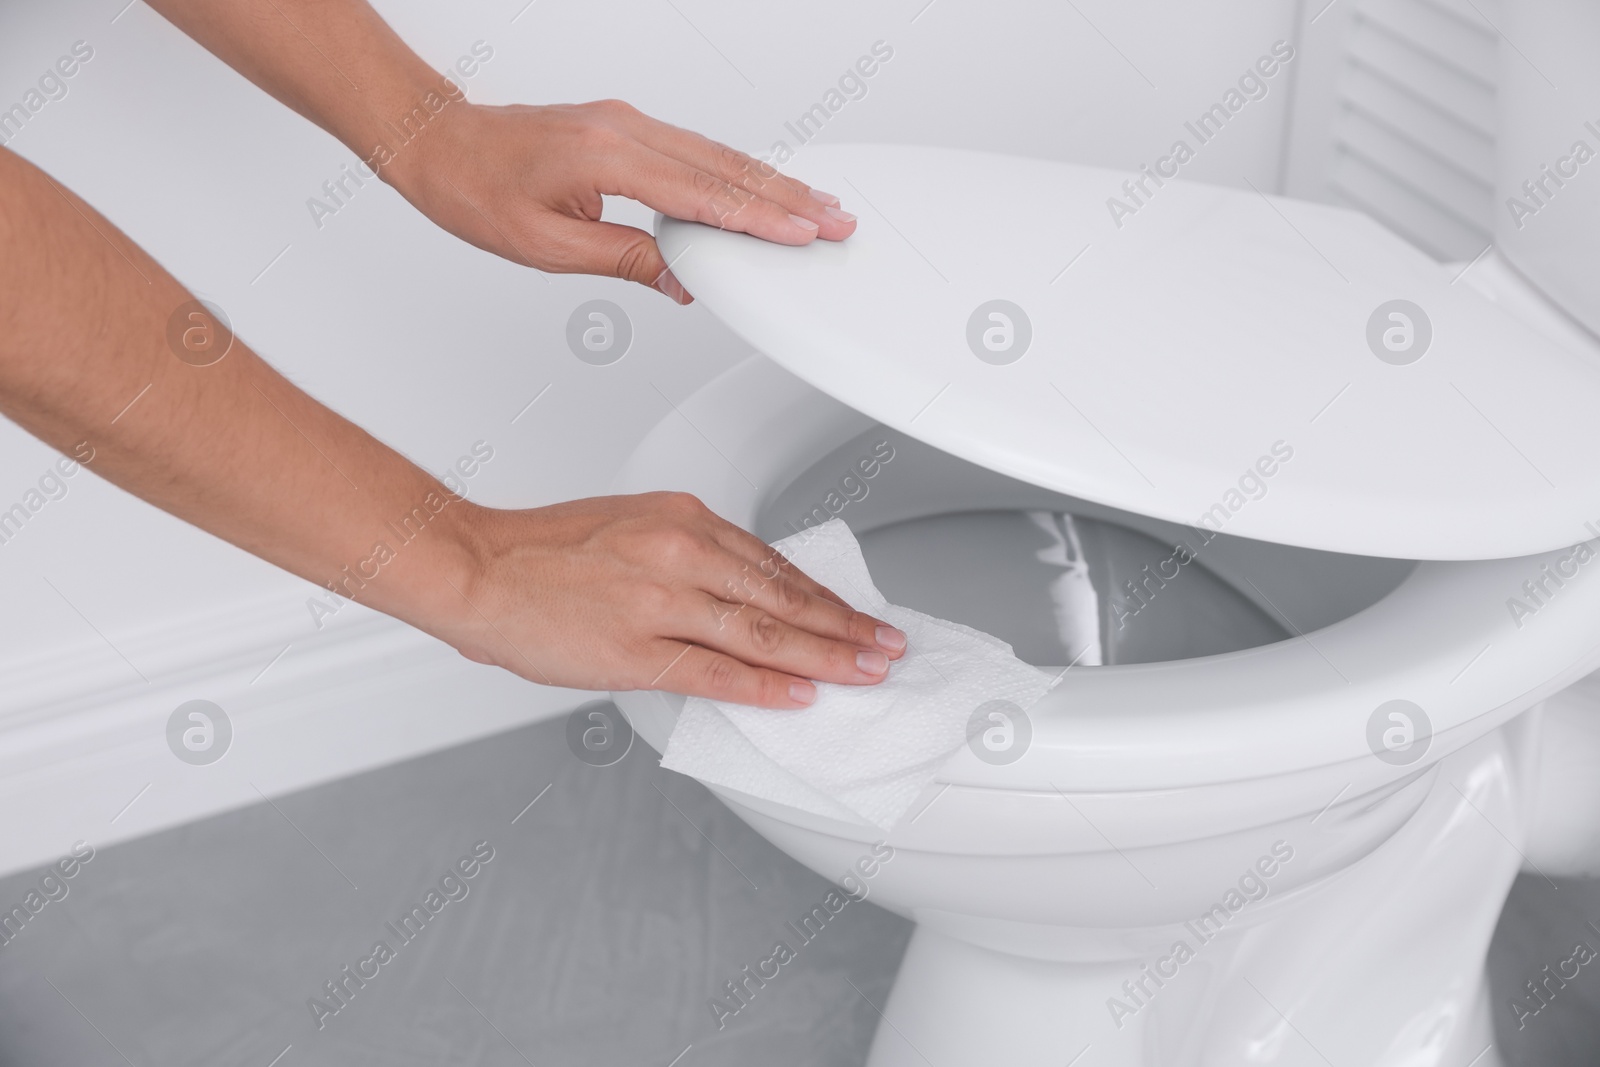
(861, 754)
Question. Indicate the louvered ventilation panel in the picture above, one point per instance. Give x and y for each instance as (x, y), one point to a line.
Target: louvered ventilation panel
(1414, 129)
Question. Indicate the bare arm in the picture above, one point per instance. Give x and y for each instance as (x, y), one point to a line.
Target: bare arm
(85, 357)
(100, 345)
(521, 181)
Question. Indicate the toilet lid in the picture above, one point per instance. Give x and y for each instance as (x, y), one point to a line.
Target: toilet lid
(1268, 368)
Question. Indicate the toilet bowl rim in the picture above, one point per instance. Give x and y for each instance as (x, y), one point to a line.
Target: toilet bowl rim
(1194, 723)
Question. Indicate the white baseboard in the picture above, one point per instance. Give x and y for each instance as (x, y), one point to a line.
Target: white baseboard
(83, 735)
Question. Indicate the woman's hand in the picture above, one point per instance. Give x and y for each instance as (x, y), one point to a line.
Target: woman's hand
(525, 183)
(629, 592)
(656, 592)
(522, 182)
(638, 592)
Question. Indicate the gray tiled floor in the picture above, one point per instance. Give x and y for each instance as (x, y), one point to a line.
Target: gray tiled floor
(1542, 922)
(594, 936)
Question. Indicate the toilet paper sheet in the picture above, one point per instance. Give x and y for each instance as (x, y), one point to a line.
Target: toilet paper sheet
(861, 754)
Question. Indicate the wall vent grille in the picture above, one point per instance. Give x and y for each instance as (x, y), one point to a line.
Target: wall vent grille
(1413, 130)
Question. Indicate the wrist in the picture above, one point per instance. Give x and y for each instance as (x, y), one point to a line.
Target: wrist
(428, 569)
(407, 142)
(454, 599)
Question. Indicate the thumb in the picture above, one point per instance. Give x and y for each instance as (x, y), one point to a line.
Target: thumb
(614, 251)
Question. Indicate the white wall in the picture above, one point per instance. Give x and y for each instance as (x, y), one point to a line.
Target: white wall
(114, 612)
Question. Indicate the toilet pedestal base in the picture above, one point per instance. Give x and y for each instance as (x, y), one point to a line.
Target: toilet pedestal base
(1381, 965)
(956, 1004)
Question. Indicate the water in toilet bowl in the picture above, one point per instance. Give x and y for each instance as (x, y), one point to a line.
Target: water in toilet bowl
(1063, 589)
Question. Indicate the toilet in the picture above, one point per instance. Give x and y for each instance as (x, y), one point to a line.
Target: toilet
(1341, 514)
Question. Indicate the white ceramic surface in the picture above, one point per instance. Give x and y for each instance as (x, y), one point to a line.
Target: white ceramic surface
(1042, 886)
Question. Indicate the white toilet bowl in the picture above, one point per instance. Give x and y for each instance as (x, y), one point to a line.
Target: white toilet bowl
(1149, 790)
(1212, 860)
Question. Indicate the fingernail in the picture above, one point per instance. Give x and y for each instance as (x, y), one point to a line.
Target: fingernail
(872, 662)
(842, 216)
(668, 283)
(802, 692)
(890, 638)
(803, 223)
(826, 198)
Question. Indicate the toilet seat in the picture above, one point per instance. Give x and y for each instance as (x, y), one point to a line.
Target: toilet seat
(1158, 358)
(1164, 753)
(1204, 742)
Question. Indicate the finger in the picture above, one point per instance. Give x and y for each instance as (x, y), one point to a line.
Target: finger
(768, 561)
(782, 597)
(579, 246)
(747, 172)
(775, 585)
(702, 672)
(763, 640)
(685, 192)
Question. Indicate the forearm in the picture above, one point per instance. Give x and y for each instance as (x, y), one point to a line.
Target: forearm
(88, 363)
(652, 591)
(334, 61)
